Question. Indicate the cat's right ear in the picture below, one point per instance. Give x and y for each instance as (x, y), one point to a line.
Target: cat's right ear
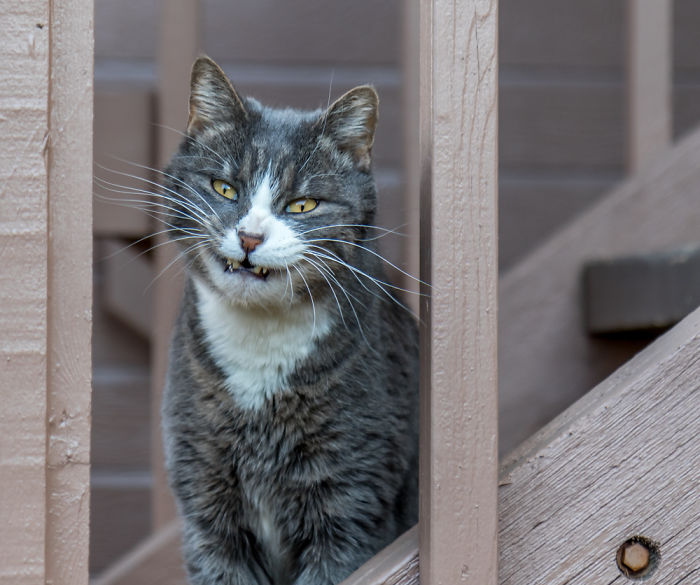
(212, 97)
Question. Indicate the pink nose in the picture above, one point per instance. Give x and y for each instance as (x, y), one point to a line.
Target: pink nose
(250, 241)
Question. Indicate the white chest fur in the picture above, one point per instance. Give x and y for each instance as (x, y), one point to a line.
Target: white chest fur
(258, 349)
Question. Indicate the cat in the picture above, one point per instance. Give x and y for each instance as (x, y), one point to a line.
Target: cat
(290, 409)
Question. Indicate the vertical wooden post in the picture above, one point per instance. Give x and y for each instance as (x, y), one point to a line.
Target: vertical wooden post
(69, 263)
(45, 290)
(649, 77)
(411, 156)
(178, 47)
(459, 457)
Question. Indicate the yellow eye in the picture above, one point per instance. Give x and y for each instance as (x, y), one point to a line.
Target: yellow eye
(224, 189)
(302, 205)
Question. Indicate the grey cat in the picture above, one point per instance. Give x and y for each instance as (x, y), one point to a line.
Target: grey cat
(290, 408)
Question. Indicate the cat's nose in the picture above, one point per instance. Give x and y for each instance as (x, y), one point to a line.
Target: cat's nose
(250, 241)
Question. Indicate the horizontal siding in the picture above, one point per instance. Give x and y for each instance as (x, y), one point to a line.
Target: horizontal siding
(303, 31)
(123, 130)
(120, 516)
(121, 417)
(686, 19)
(264, 31)
(547, 125)
(561, 33)
(531, 208)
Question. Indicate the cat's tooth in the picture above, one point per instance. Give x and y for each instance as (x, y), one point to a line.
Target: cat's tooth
(265, 271)
(233, 265)
(258, 270)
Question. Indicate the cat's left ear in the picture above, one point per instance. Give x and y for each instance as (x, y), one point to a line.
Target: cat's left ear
(212, 97)
(351, 121)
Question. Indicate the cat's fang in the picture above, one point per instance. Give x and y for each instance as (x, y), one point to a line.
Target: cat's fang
(232, 265)
(260, 271)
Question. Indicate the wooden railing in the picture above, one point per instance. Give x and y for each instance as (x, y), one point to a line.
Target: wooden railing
(620, 463)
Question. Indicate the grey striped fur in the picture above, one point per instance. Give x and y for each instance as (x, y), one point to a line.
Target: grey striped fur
(307, 481)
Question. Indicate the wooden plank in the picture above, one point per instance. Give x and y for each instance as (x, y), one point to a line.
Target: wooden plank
(547, 359)
(571, 34)
(621, 462)
(114, 533)
(46, 118)
(686, 108)
(645, 292)
(532, 207)
(123, 130)
(121, 415)
(410, 202)
(649, 64)
(459, 459)
(397, 564)
(550, 125)
(156, 561)
(305, 31)
(686, 15)
(128, 276)
(69, 322)
(24, 120)
(178, 47)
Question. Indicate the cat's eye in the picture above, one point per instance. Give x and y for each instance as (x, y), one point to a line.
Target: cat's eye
(301, 206)
(224, 189)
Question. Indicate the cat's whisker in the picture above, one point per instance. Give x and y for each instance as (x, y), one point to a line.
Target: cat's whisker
(357, 273)
(362, 273)
(386, 231)
(148, 207)
(174, 196)
(350, 303)
(181, 255)
(330, 286)
(177, 180)
(313, 305)
(288, 283)
(150, 248)
(376, 254)
(179, 200)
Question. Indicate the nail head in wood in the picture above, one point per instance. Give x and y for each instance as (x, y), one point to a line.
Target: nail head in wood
(637, 557)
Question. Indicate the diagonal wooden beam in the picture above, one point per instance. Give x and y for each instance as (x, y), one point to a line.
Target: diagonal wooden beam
(546, 359)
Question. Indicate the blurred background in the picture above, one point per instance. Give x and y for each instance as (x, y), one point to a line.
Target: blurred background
(564, 145)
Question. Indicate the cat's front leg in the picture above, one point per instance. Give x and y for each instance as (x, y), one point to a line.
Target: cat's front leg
(214, 560)
(337, 547)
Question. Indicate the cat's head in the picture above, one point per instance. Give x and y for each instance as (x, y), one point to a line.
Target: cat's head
(269, 203)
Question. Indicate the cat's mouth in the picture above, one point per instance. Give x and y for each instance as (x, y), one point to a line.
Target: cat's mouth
(245, 267)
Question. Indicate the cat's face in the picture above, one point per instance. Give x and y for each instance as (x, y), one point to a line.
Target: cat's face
(270, 204)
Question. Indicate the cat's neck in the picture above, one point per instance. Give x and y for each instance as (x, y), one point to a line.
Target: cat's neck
(258, 348)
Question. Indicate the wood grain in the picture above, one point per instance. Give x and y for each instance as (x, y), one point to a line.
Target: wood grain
(621, 462)
(547, 359)
(24, 125)
(45, 170)
(69, 319)
(459, 435)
